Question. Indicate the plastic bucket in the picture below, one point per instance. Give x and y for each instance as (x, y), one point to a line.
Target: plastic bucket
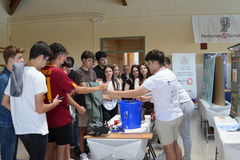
(131, 113)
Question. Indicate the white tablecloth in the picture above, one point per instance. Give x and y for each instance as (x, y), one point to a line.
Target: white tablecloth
(228, 143)
(127, 149)
(208, 112)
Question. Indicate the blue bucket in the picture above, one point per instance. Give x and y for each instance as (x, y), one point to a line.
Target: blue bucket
(131, 113)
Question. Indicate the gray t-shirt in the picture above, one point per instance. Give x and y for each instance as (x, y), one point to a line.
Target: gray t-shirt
(81, 76)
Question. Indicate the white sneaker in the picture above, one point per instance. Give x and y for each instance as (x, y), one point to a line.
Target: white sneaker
(83, 156)
(89, 155)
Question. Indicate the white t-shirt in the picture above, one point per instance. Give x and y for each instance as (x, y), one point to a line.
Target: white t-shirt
(164, 88)
(136, 85)
(183, 95)
(23, 109)
(110, 104)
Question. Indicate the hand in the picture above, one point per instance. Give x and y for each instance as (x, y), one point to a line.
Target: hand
(72, 93)
(103, 87)
(153, 116)
(106, 97)
(81, 110)
(56, 101)
(142, 98)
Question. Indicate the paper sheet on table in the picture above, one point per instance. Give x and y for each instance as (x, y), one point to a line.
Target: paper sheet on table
(229, 128)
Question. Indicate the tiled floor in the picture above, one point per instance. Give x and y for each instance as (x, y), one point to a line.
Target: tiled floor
(201, 150)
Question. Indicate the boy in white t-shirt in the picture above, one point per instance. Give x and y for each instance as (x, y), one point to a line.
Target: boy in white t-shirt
(165, 96)
(28, 110)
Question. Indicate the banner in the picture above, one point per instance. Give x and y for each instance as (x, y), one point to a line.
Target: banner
(208, 79)
(184, 67)
(216, 28)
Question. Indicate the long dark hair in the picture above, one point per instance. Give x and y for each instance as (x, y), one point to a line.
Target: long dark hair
(141, 78)
(131, 75)
(114, 81)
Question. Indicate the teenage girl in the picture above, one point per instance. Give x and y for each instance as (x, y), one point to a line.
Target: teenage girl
(144, 73)
(109, 106)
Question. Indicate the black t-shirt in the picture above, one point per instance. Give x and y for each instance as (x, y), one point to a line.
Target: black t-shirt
(99, 71)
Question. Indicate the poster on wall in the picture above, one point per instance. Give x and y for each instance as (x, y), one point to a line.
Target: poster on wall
(184, 67)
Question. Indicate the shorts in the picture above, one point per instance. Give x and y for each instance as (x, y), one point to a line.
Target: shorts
(83, 119)
(168, 130)
(61, 135)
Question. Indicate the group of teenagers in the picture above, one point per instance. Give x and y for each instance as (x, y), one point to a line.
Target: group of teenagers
(40, 115)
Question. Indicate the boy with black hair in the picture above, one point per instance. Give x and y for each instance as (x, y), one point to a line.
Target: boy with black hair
(28, 110)
(101, 58)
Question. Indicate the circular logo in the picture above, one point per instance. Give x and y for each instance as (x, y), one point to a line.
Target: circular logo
(184, 60)
(189, 81)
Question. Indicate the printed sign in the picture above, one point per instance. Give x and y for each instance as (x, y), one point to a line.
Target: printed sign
(216, 28)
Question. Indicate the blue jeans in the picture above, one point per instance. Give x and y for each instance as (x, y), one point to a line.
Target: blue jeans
(35, 144)
(75, 132)
(9, 143)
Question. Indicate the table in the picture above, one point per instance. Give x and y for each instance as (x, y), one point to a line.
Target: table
(130, 145)
(227, 143)
(208, 113)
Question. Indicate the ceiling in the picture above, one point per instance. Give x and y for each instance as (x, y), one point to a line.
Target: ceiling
(13, 4)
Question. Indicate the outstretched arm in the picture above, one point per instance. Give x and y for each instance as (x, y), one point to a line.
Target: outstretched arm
(83, 90)
(127, 94)
(144, 98)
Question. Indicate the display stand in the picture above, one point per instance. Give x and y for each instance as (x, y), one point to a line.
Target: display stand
(208, 112)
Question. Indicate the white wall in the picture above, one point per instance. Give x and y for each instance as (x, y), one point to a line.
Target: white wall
(3, 27)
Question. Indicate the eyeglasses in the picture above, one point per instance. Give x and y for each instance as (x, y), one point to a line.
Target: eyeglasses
(46, 58)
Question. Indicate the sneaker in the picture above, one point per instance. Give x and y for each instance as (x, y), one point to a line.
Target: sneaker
(83, 156)
(186, 158)
(89, 155)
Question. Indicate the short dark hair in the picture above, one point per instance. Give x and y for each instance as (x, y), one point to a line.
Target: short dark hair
(167, 61)
(72, 59)
(11, 51)
(87, 54)
(100, 54)
(40, 48)
(155, 55)
(67, 63)
(57, 50)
